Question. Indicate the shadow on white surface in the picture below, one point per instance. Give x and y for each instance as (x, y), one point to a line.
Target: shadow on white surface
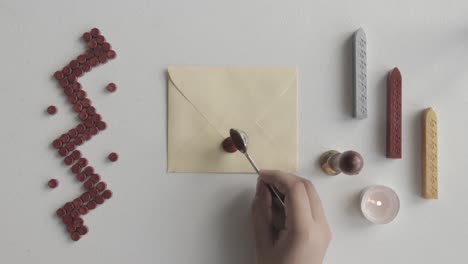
(346, 96)
(381, 112)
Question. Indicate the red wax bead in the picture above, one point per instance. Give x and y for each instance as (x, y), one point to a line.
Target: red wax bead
(111, 54)
(53, 183)
(113, 156)
(81, 128)
(106, 46)
(86, 67)
(64, 83)
(78, 202)
(95, 178)
(72, 99)
(76, 168)
(70, 146)
(102, 58)
(67, 219)
(81, 59)
(81, 94)
(78, 72)
(98, 52)
(95, 31)
(78, 141)
(65, 138)
(100, 39)
(83, 115)
(92, 44)
(83, 230)
(83, 162)
(86, 102)
(91, 205)
(88, 184)
(111, 87)
(101, 186)
(72, 133)
(58, 75)
(75, 213)
(57, 143)
(86, 136)
(86, 197)
(89, 123)
(83, 210)
(66, 70)
(81, 177)
(93, 131)
(68, 91)
(89, 170)
(71, 228)
(78, 221)
(91, 110)
(69, 206)
(87, 36)
(71, 78)
(94, 192)
(76, 86)
(94, 62)
(61, 212)
(74, 64)
(99, 199)
(68, 160)
(96, 117)
(75, 236)
(76, 154)
(107, 194)
(63, 152)
(52, 110)
(89, 54)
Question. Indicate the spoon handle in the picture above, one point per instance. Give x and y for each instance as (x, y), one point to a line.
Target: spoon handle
(273, 190)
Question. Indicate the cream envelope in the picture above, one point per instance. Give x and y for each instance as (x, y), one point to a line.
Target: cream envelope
(205, 102)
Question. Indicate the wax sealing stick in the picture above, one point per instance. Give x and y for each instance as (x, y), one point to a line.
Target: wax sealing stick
(429, 155)
(394, 106)
(360, 75)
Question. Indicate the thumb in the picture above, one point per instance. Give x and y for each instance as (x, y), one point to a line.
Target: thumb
(262, 217)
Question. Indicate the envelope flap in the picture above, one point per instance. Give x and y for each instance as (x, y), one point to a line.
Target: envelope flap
(249, 90)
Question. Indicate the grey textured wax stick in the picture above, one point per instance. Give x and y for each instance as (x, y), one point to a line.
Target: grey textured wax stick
(360, 74)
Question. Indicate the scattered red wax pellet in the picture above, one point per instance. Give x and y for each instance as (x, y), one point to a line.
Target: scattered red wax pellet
(83, 210)
(52, 110)
(53, 183)
(111, 87)
(75, 236)
(83, 230)
(113, 156)
(61, 212)
(99, 199)
(107, 194)
(95, 31)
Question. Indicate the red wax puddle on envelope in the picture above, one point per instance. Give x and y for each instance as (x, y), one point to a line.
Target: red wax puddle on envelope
(228, 145)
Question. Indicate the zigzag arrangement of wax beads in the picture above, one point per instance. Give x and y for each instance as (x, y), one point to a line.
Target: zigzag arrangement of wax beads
(99, 52)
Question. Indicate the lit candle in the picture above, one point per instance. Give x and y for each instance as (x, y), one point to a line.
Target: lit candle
(379, 204)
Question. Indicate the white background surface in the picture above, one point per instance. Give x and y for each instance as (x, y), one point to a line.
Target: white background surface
(155, 217)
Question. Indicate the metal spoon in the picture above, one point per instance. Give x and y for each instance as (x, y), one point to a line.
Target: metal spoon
(241, 140)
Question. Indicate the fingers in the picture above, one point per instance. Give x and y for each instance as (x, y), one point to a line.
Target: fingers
(298, 211)
(262, 217)
(315, 203)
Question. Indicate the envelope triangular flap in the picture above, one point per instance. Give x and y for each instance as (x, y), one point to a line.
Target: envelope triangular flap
(249, 90)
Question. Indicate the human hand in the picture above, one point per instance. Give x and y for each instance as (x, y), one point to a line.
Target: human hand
(306, 236)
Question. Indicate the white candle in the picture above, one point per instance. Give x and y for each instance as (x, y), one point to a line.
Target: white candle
(379, 204)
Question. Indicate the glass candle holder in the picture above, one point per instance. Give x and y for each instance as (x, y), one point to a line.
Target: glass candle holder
(379, 204)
